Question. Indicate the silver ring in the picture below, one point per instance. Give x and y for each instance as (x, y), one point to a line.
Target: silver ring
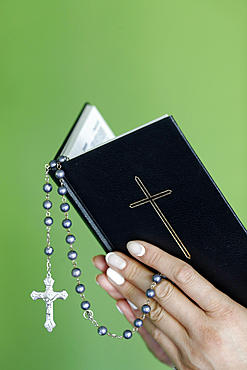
(88, 314)
(174, 368)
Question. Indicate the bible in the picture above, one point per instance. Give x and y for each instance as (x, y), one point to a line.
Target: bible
(149, 184)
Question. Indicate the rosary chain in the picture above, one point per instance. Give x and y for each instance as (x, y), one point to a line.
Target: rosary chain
(66, 216)
(48, 265)
(72, 255)
(48, 228)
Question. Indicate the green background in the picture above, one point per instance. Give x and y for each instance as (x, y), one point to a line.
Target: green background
(135, 60)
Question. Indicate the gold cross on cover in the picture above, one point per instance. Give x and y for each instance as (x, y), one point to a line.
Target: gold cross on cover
(151, 199)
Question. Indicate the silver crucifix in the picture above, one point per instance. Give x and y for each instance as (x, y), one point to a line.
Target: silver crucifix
(49, 296)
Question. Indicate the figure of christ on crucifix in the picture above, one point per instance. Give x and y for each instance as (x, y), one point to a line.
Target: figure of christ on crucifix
(151, 199)
(49, 296)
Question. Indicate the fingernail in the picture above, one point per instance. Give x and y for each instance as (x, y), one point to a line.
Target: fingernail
(96, 281)
(136, 248)
(132, 305)
(115, 260)
(119, 309)
(94, 264)
(115, 276)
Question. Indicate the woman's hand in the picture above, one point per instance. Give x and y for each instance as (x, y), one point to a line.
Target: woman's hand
(208, 335)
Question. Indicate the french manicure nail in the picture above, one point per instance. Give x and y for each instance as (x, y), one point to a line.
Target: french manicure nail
(115, 276)
(132, 305)
(119, 309)
(115, 260)
(136, 248)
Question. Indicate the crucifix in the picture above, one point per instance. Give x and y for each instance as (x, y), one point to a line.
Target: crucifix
(49, 296)
(151, 199)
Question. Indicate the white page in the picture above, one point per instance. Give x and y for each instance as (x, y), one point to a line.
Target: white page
(90, 131)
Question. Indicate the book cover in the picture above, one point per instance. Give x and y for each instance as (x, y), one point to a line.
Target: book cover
(150, 185)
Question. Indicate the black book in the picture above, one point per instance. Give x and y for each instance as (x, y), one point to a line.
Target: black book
(149, 184)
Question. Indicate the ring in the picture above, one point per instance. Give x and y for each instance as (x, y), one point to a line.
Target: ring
(174, 368)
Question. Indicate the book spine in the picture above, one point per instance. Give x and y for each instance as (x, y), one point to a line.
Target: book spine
(85, 214)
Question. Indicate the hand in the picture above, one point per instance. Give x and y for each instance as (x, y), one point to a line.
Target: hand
(210, 334)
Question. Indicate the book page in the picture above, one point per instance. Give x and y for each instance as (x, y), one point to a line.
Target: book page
(90, 131)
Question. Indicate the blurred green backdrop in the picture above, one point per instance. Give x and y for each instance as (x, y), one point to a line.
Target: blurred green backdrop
(135, 60)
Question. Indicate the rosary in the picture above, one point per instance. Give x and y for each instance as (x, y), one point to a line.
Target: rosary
(49, 296)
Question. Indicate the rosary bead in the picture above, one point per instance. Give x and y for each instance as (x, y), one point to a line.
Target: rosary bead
(70, 239)
(72, 255)
(138, 323)
(49, 251)
(53, 164)
(150, 293)
(76, 272)
(156, 278)
(80, 288)
(66, 223)
(47, 187)
(48, 221)
(47, 204)
(61, 159)
(59, 174)
(102, 330)
(85, 305)
(64, 207)
(62, 190)
(127, 334)
(146, 308)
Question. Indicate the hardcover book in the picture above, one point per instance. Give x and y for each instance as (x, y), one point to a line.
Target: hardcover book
(149, 184)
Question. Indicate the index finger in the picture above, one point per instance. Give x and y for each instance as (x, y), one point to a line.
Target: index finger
(182, 274)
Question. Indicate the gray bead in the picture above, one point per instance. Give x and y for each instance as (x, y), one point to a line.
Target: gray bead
(138, 323)
(127, 334)
(70, 239)
(53, 164)
(150, 293)
(85, 305)
(48, 221)
(47, 204)
(62, 190)
(66, 223)
(146, 308)
(102, 330)
(65, 207)
(59, 174)
(47, 187)
(80, 288)
(156, 278)
(72, 255)
(61, 159)
(76, 272)
(49, 251)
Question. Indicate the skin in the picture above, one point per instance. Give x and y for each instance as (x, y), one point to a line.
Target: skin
(210, 334)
